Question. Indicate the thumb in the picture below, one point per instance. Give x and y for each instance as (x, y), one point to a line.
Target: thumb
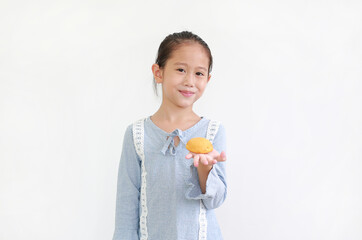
(222, 157)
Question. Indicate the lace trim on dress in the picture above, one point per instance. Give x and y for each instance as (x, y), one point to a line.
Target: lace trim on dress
(211, 132)
(138, 139)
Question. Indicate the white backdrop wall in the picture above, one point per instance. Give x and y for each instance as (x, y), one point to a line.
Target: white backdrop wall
(286, 84)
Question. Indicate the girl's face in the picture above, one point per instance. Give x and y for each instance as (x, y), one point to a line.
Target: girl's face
(185, 75)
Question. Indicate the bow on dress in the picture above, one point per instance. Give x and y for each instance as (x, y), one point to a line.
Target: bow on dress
(170, 143)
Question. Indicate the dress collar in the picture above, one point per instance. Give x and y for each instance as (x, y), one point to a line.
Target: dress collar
(170, 143)
(183, 135)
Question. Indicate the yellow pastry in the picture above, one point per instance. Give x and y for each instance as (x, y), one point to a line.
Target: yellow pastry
(199, 145)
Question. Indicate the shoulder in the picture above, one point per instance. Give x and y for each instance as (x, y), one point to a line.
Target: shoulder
(215, 124)
(134, 124)
(128, 134)
(133, 127)
(217, 128)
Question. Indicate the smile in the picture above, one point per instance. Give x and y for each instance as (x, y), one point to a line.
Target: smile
(187, 93)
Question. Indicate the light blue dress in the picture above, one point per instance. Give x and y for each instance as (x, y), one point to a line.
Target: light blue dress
(173, 197)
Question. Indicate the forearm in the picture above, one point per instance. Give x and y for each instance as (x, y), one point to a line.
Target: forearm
(203, 172)
(208, 185)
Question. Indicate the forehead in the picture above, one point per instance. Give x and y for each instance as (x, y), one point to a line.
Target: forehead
(191, 53)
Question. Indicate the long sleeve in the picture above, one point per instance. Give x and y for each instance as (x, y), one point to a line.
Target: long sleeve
(128, 191)
(216, 186)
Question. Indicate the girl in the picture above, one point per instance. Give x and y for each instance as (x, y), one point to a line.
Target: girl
(165, 192)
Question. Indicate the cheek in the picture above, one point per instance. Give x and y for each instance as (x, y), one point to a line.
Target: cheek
(202, 85)
(168, 88)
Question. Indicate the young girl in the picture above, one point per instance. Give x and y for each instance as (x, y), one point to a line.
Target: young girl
(164, 191)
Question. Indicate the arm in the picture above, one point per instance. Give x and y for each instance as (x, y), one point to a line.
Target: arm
(208, 172)
(128, 191)
(204, 164)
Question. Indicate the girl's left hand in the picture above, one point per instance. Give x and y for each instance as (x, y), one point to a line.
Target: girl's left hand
(207, 159)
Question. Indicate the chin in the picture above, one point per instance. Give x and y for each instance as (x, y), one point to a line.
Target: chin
(186, 105)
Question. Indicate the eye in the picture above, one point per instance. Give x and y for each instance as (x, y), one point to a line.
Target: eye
(199, 74)
(180, 70)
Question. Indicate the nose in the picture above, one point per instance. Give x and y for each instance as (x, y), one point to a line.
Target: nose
(189, 80)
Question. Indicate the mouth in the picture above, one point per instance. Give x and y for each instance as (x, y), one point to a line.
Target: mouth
(187, 93)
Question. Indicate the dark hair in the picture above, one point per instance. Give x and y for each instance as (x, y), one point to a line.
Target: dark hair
(171, 42)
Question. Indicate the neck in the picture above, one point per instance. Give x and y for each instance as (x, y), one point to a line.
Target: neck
(174, 114)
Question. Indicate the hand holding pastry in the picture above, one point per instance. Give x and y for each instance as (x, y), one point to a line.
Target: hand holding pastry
(201, 150)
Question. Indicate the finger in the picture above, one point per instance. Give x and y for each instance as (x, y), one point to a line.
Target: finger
(204, 160)
(189, 155)
(222, 157)
(214, 154)
(212, 160)
(209, 158)
(196, 160)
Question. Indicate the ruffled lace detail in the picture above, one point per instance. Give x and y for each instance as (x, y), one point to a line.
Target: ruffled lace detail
(138, 137)
(211, 132)
(194, 191)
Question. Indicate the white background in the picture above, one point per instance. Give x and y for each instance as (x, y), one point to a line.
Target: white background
(286, 84)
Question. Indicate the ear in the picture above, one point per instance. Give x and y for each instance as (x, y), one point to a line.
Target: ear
(208, 78)
(157, 73)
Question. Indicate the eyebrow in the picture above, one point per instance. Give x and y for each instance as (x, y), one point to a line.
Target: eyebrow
(179, 63)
